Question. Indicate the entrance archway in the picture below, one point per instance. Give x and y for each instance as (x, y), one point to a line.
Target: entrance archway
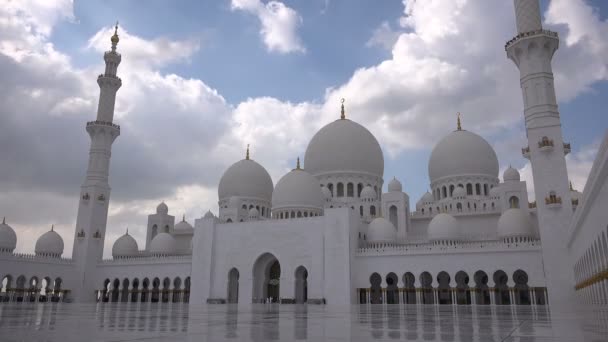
(233, 286)
(266, 278)
(301, 285)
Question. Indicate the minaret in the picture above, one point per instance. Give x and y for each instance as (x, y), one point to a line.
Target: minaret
(532, 50)
(95, 192)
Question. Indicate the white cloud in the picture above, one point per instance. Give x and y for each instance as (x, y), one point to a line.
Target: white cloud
(384, 36)
(279, 24)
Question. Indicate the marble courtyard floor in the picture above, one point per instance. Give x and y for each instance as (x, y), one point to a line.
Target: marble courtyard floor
(259, 322)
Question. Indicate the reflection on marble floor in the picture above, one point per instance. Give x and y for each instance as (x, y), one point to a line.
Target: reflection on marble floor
(179, 322)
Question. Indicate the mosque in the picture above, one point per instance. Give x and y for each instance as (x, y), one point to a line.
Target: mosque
(326, 233)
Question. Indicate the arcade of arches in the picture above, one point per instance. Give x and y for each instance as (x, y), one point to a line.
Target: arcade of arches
(465, 291)
(37, 289)
(145, 290)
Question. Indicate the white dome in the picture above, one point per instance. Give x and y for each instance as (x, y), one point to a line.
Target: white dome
(49, 243)
(253, 213)
(462, 153)
(515, 222)
(427, 198)
(326, 193)
(245, 178)
(344, 145)
(381, 230)
(163, 244)
(8, 237)
(125, 246)
(395, 185)
(443, 227)
(209, 214)
(162, 209)
(368, 193)
(297, 189)
(511, 175)
(459, 192)
(183, 225)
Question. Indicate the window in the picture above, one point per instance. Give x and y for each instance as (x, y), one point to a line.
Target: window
(514, 202)
(340, 190)
(469, 189)
(451, 190)
(359, 189)
(393, 216)
(330, 187)
(485, 189)
(372, 211)
(444, 192)
(361, 211)
(459, 206)
(350, 190)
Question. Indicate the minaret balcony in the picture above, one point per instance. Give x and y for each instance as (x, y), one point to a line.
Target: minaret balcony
(567, 148)
(553, 201)
(530, 34)
(103, 123)
(526, 152)
(532, 205)
(545, 144)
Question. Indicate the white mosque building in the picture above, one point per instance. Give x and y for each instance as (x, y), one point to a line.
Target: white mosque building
(326, 233)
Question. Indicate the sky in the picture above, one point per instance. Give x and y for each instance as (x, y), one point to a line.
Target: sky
(202, 79)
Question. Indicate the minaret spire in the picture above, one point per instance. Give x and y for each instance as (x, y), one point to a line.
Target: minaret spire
(342, 111)
(247, 153)
(458, 126)
(543, 123)
(115, 38)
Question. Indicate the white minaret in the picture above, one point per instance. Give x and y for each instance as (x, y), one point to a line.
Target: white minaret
(95, 192)
(532, 50)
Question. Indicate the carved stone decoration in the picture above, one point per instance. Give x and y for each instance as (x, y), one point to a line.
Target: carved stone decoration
(101, 198)
(80, 234)
(86, 196)
(97, 235)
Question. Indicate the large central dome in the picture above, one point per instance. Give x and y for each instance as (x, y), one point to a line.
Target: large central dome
(462, 153)
(344, 146)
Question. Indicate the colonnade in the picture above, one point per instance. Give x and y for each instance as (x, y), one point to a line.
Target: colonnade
(591, 272)
(34, 290)
(146, 292)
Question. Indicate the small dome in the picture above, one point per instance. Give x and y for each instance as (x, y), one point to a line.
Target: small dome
(209, 214)
(162, 209)
(245, 179)
(183, 225)
(515, 222)
(381, 230)
(395, 185)
(459, 192)
(298, 189)
(253, 213)
(125, 246)
(368, 193)
(511, 175)
(344, 145)
(443, 227)
(8, 237)
(163, 244)
(462, 153)
(427, 198)
(326, 193)
(49, 243)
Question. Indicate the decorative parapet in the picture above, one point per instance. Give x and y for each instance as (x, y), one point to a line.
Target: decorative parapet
(145, 257)
(525, 152)
(530, 34)
(454, 247)
(35, 257)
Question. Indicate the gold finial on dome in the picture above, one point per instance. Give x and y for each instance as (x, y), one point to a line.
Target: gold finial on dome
(184, 218)
(571, 187)
(247, 154)
(4, 220)
(114, 38)
(127, 233)
(298, 164)
(458, 126)
(52, 227)
(342, 112)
